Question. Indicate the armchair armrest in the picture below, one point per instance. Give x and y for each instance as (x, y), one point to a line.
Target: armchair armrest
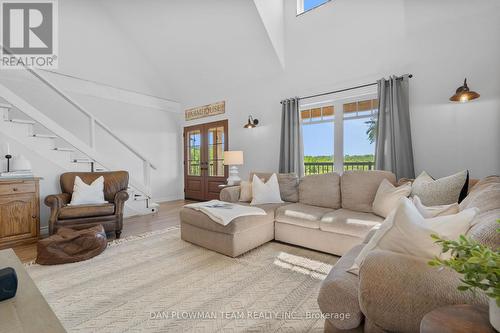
(120, 198)
(397, 290)
(230, 194)
(56, 202)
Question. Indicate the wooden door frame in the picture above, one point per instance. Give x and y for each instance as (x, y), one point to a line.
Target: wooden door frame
(203, 127)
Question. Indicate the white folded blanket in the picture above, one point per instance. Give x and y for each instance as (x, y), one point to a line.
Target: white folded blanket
(224, 212)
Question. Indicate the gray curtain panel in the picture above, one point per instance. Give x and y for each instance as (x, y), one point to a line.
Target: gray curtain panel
(394, 150)
(291, 150)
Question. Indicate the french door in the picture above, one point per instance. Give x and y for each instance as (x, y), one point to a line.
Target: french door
(204, 168)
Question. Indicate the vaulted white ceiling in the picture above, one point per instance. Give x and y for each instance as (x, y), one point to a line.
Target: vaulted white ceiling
(197, 44)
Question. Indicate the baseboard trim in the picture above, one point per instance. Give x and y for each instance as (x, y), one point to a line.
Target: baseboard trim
(168, 198)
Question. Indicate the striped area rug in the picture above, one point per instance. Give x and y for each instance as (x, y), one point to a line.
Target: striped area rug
(158, 283)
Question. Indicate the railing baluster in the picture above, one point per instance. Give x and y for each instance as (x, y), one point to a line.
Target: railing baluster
(92, 132)
(311, 168)
(147, 174)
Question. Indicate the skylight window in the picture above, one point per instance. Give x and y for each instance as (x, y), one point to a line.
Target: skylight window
(306, 5)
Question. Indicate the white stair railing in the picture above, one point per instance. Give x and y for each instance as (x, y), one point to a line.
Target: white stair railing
(89, 150)
(69, 137)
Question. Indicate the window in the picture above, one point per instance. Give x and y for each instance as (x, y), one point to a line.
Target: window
(306, 5)
(339, 135)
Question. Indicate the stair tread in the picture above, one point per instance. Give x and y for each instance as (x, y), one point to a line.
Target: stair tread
(21, 121)
(49, 136)
(64, 149)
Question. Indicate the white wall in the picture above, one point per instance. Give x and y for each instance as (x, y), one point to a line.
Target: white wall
(93, 46)
(345, 43)
(154, 133)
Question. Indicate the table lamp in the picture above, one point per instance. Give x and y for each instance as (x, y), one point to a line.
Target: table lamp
(233, 158)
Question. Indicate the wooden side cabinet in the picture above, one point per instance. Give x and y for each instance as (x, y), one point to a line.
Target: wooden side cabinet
(19, 211)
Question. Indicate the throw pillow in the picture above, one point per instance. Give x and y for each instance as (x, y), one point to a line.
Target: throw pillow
(245, 191)
(433, 211)
(388, 196)
(442, 191)
(84, 194)
(406, 231)
(264, 193)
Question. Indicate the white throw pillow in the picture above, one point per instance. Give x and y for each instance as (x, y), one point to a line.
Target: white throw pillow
(264, 193)
(433, 211)
(84, 194)
(388, 196)
(406, 231)
(442, 191)
(245, 191)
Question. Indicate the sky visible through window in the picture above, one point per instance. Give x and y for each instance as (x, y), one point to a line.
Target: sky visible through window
(318, 138)
(310, 4)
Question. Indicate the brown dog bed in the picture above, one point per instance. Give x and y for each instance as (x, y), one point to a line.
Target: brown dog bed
(69, 245)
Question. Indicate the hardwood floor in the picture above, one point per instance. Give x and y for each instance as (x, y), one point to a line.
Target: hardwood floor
(168, 216)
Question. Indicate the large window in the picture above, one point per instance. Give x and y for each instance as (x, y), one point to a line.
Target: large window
(306, 5)
(339, 135)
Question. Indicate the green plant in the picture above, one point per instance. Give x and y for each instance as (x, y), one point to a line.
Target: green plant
(371, 132)
(478, 265)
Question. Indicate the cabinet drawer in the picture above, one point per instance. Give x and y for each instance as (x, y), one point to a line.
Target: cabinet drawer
(16, 188)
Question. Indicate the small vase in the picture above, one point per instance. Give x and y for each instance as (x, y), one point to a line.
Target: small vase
(494, 314)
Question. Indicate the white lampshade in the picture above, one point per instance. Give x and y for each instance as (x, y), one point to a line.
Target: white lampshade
(234, 157)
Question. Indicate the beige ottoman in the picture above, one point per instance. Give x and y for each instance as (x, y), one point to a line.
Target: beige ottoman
(241, 235)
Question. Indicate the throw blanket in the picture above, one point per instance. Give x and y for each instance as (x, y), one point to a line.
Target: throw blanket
(224, 212)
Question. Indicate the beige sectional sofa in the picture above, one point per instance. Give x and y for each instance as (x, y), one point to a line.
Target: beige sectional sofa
(328, 212)
(394, 291)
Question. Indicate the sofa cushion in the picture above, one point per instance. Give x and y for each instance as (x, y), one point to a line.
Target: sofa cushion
(387, 197)
(359, 188)
(302, 215)
(484, 229)
(349, 222)
(288, 183)
(79, 211)
(265, 192)
(406, 231)
(320, 190)
(240, 224)
(442, 191)
(339, 292)
(485, 195)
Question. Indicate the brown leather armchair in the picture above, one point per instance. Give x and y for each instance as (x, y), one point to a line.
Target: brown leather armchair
(109, 215)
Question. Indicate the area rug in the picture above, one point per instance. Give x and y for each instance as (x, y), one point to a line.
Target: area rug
(158, 283)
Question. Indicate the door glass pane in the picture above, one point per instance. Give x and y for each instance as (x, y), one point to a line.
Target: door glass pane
(359, 134)
(216, 151)
(194, 157)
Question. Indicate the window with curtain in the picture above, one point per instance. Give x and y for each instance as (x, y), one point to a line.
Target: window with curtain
(339, 134)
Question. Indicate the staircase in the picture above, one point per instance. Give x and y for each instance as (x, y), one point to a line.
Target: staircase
(26, 124)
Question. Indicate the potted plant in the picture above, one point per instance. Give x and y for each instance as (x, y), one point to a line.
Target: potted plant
(479, 267)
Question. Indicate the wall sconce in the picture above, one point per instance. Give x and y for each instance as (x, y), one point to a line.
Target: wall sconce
(252, 123)
(463, 94)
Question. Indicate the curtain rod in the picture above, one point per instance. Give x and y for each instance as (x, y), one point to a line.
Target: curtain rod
(347, 89)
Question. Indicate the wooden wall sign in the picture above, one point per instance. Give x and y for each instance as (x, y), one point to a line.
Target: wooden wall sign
(205, 111)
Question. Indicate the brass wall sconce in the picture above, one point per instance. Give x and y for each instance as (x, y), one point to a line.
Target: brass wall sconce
(464, 94)
(252, 123)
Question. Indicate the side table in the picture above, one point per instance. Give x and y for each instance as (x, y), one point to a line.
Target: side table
(461, 318)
